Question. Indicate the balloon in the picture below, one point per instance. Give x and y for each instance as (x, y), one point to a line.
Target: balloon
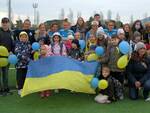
(99, 51)
(94, 83)
(35, 46)
(3, 51)
(36, 55)
(3, 62)
(124, 47)
(92, 57)
(122, 62)
(103, 84)
(12, 59)
(82, 44)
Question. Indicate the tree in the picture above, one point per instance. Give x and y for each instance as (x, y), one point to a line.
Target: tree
(109, 15)
(19, 23)
(131, 19)
(70, 15)
(79, 14)
(117, 17)
(145, 15)
(62, 14)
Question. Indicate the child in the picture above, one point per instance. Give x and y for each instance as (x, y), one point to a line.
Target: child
(113, 55)
(75, 50)
(65, 31)
(44, 53)
(113, 91)
(110, 31)
(68, 43)
(57, 47)
(121, 34)
(137, 37)
(77, 36)
(23, 53)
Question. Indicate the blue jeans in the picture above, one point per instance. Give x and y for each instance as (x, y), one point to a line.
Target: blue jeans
(133, 91)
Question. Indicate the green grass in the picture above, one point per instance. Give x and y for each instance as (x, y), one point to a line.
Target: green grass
(66, 102)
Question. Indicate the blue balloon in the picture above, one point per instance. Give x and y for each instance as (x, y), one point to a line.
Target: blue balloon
(82, 44)
(35, 46)
(12, 59)
(124, 47)
(94, 83)
(99, 51)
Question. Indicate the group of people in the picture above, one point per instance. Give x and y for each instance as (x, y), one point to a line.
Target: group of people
(65, 41)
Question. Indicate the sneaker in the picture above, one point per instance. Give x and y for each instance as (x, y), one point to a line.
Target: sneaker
(48, 93)
(19, 92)
(148, 99)
(56, 91)
(7, 92)
(42, 94)
(1, 93)
(121, 97)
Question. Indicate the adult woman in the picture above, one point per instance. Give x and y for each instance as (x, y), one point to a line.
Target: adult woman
(80, 27)
(127, 30)
(42, 35)
(138, 71)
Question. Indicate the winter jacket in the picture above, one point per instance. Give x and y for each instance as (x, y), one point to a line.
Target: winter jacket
(138, 70)
(23, 53)
(76, 54)
(114, 91)
(6, 39)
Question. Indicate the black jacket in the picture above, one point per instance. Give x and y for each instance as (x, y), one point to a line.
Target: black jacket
(6, 39)
(137, 71)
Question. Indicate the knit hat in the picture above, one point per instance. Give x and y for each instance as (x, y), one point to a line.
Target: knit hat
(70, 37)
(120, 31)
(23, 33)
(75, 41)
(139, 45)
(94, 23)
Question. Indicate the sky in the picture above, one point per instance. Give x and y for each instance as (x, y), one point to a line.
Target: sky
(50, 9)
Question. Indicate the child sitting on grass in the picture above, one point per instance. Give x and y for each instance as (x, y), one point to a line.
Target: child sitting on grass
(114, 90)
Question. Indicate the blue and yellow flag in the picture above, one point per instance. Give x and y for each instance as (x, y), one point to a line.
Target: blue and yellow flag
(58, 72)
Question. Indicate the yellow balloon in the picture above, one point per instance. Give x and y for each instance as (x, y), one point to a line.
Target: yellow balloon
(122, 62)
(103, 84)
(92, 57)
(3, 62)
(36, 55)
(3, 51)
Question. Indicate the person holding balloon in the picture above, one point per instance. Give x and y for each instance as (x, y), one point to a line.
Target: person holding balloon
(23, 52)
(138, 71)
(113, 55)
(6, 48)
(91, 45)
(113, 91)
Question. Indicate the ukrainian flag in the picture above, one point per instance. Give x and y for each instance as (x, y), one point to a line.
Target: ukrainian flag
(59, 72)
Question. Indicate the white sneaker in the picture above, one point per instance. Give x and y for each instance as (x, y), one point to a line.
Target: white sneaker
(56, 91)
(148, 99)
(19, 92)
